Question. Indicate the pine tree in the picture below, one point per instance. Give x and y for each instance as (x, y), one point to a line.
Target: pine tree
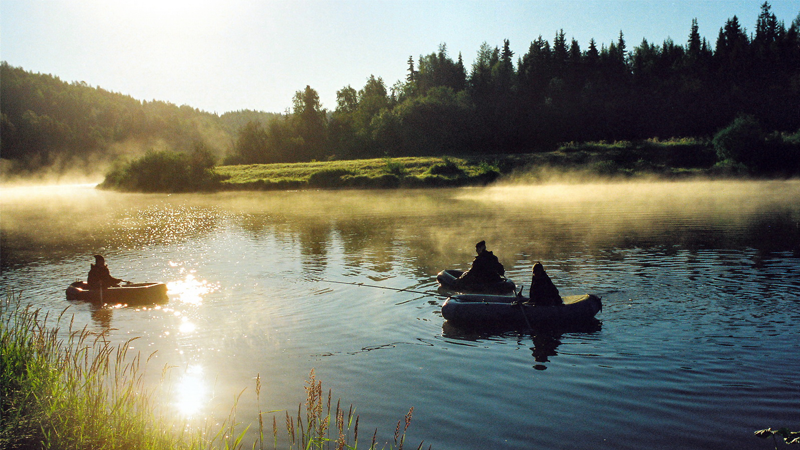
(412, 74)
(693, 47)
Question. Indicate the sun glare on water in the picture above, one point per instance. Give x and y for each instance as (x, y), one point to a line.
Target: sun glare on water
(190, 290)
(191, 392)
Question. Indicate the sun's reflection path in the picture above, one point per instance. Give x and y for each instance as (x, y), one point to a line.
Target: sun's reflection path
(186, 326)
(190, 290)
(191, 392)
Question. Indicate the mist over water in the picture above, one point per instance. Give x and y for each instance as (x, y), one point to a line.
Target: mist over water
(700, 283)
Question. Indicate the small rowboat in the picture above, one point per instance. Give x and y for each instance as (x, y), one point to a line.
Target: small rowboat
(449, 280)
(132, 294)
(507, 311)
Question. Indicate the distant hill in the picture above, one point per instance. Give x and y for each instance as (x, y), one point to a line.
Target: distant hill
(60, 126)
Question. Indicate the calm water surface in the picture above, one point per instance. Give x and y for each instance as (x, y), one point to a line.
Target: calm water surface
(697, 346)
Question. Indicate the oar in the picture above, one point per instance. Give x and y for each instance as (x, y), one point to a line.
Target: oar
(522, 309)
(385, 287)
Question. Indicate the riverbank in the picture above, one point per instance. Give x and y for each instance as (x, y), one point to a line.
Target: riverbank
(72, 389)
(651, 158)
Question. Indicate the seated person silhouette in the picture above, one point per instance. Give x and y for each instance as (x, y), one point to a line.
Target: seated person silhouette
(99, 275)
(486, 269)
(543, 292)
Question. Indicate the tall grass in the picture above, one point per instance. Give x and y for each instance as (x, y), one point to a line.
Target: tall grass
(75, 391)
(72, 389)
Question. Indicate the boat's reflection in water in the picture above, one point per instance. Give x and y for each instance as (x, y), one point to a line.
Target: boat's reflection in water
(545, 340)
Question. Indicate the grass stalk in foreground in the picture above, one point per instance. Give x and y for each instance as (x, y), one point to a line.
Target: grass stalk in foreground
(73, 390)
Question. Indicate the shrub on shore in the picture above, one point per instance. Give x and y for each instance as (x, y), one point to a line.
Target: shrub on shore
(745, 146)
(165, 171)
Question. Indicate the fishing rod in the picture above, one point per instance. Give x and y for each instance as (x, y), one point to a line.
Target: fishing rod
(385, 287)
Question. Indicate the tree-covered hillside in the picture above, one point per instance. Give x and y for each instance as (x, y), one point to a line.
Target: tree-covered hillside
(51, 124)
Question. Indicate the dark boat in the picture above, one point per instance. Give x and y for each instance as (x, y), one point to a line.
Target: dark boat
(508, 311)
(131, 294)
(449, 280)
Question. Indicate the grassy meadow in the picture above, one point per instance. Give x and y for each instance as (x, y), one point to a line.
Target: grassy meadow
(675, 157)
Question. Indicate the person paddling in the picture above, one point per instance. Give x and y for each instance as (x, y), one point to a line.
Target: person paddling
(486, 268)
(100, 276)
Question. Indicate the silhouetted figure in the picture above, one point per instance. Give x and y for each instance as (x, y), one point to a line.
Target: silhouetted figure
(543, 292)
(99, 275)
(486, 268)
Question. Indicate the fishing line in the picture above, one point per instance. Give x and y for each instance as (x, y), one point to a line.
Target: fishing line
(386, 287)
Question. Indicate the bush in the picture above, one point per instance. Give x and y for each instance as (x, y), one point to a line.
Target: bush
(487, 172)
(741, 142)
(165, 171)
(729, 168)
(329, 177)
(395, 168)
(387, 181)
(605, 168)
(446, 168)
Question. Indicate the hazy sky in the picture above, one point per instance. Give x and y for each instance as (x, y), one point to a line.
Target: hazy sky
(225, 55)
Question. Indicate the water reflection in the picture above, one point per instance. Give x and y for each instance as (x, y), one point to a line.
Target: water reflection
(102, 315)
(545, 341)
(191, 391)
(190, 290)
(544, 346)
(434, 228)
(186, 326)
(80, 220)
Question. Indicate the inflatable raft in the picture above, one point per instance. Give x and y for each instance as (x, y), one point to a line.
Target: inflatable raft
(132, 294)
(507, 311)
(449, 280)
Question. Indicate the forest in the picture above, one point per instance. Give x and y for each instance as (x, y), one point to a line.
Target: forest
(558, 91)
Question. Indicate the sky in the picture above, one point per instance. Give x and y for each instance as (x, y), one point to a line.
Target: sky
(229, 55)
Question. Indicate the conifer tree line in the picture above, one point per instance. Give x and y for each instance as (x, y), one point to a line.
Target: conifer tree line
(559, 90)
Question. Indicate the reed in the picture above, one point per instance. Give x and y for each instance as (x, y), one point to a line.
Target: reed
(70, 388)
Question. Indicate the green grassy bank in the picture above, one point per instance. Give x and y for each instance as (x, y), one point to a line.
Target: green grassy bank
(740, 150)
(363, 173)
(70, 389)
(624, 159)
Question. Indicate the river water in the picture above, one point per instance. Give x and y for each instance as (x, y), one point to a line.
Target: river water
(697, 346)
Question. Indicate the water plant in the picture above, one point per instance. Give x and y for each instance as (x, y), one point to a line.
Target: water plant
(789, 437)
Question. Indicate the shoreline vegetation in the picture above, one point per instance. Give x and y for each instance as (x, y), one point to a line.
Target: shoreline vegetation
(767, 156)
(73, 389)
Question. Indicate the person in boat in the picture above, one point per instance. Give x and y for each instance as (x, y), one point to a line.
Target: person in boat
(100, 276)
(543, 292)
(486, 268)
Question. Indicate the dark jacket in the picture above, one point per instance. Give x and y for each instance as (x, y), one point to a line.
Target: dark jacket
(543, 292)
(486, 269)
(99, 276)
